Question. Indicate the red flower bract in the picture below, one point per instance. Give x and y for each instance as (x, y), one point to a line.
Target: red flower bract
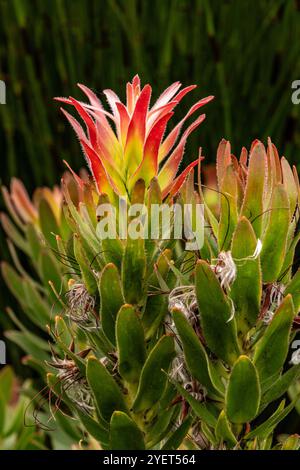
(134, 146)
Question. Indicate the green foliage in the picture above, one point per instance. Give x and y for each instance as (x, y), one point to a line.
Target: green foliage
(219, 331)
(15, 402)
(243, 384)
(142, 344)
(124, 433)
(130, 343)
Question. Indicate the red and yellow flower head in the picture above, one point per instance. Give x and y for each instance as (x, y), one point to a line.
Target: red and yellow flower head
(135, 146)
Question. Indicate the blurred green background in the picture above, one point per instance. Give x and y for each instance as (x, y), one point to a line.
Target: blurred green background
(244, 52)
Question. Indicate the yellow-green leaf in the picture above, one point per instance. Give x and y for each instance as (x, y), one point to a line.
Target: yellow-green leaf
(124, 433)
(130, 344)
(215, 313)
(243, 392)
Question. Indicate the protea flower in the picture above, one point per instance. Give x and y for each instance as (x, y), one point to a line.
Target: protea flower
(134, 370)
(136, 147)
(24, 210)
(236, 312)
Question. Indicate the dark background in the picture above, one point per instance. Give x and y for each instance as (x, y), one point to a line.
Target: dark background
(245, 52)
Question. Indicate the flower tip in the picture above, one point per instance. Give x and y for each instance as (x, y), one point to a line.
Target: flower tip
(82, 87)
(255, 143)
(136, 81)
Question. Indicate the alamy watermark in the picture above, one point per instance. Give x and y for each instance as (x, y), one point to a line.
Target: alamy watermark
(2, 352)
(295, 359)
(155, 222)
(2, 92)
(296, 94)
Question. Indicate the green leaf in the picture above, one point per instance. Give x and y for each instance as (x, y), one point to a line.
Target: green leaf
(14, 234)
(12, 280)
(6, 383)
(208, 432)
(94, 428)
(194, 352)
(228, 208)
(281, 385)
(155, 311)
(99, 340)
(85, 229)
(154, 196)
(246, 301)
(130, 344)
(134, 270)
(157, 305)
(293, 393)
(153, 377)
(275, 236)
(27, 343)
(219, 332)
(243, 392)
(67, 425)
(113, 251)
(38, 365)
(252, 206)
(94, 260)
(272, 348)
(16, 422)
(49, 269)
(34, 241)
(39, 306)
(287, 267)
(2, 414)
(178, 435)
(124, 433)
(291, 443)
(268, 426)
(289, 184)
(224, 432)
(27, 295)
(163, 424)
(293, 288)
(200, 409)
(107, 394)
(85, 268)
(79, 361)
(111, 299)
(48, 223)
(62, 331)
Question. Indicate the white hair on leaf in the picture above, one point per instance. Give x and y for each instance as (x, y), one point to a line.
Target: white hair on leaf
(183, 298)
(276, 296)
(81, 305)
(225, 267)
